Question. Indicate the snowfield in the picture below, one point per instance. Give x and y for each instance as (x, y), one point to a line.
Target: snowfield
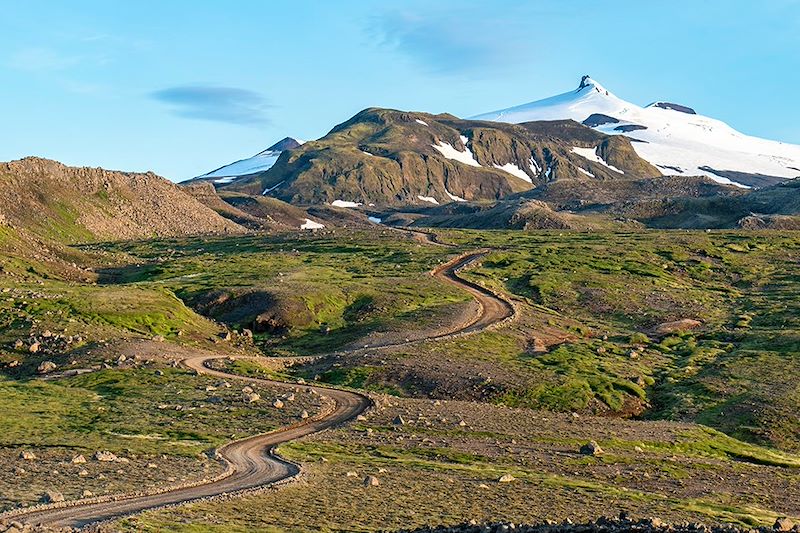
(514, 170)
(260, 162)
(345, 203)
(449, 152)
(310, 224)
(429, 199)
(673, 137)
(591, 155)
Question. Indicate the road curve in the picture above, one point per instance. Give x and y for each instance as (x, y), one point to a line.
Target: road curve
(252, 462)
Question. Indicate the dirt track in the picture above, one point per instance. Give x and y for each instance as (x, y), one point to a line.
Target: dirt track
(251, 461)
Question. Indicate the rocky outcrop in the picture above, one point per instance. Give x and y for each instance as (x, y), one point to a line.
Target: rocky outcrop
(78, 204)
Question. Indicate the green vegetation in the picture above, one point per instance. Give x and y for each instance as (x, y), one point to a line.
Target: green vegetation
(130, 411)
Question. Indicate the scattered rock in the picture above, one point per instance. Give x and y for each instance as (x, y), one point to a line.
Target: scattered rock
(304, 414)
(52, 496)
(371, 481)
(591, 448)
(27, 456)
(247, 390)
(250, 397)
(277, 404)
(78, 459)
(399, 421)
(352, 474)
(104, 456)
(506, 478)
(87, 494)
(33, 348)
(45, 367)
(684, 324)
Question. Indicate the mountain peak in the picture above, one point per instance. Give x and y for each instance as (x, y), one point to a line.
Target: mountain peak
(588, 83)
(287, 143)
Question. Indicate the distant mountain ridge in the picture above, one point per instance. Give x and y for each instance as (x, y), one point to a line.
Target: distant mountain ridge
(673, 137)
(388, 157)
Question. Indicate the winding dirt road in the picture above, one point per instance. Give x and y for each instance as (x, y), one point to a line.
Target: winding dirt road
(252, 462)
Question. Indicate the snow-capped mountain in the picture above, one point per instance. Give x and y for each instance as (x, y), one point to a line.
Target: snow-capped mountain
(260, 162)
(671, 136)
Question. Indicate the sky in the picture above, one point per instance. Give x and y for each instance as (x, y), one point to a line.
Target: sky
(183, 87)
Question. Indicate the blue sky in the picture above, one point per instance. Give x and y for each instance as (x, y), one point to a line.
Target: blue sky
(182, 87)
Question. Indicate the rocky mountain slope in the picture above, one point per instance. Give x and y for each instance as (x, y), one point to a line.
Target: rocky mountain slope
(387, 157)
(671, 136)
(78, 204)
(260, 162)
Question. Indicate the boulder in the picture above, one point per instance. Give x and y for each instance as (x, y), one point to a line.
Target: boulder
(45, 367)
(251, 397)
(27, 456)
(52, 496)
(78, 459)
(684, 324)
(104, 456)
(783, 524)
(591, 448)
(399, 421)
(371, 481)
(304, 414)
(277, 404)
(506, 478)
(33, 348)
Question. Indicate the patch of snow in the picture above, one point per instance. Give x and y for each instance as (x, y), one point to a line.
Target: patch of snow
(449, 152)
(421, 122)
(547, 172)
(453, 196)
(591, 155)
(534, 166)
(672, 138)
(270, 189)
(514, 170)
(225, 180)
(429, 199)
(310, 224)
(375, 220)
(365, 152)
(345, 203)
(585, 172)
(464, 139)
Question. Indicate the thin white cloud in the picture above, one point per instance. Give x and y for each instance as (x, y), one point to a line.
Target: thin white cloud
(41, 59)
